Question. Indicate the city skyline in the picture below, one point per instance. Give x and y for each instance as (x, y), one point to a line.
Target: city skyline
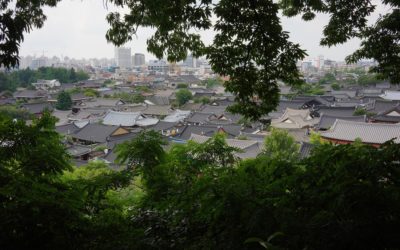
(83, 35)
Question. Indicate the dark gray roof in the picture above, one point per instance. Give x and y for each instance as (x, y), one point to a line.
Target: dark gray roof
(198, 117)
(67, 129)
(158, 100)
(110, 157)
(184, 79)
(192, 106)
(94, 132)
(305, 149)
(391, 116)
(223, 102)
(383, 85)
(336, 111)
(213, 109)
(37, 108)
(209, 130)
(7, 101)
(161, 125)
(381, 106)
(30, 94)
(293, 104)
(311, 101)
(375, 133)
(344, 93)
(115, 140)
(78, 150)
(327, 121)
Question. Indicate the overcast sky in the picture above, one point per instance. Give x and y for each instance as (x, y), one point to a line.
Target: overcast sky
(77, 28)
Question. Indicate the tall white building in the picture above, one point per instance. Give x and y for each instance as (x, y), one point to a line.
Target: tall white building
(190, 61)
(138, 59)
(320, 62)
(123, 57)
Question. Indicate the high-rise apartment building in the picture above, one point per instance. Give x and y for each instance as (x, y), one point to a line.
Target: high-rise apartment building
(190, 61)
(138, 59)
(123, 57)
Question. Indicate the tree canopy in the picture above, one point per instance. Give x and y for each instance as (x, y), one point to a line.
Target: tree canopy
(183, 96)
(25, 77)
(64, 101)
(194, 196)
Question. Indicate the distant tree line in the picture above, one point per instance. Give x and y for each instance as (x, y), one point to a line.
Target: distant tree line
(24, 78)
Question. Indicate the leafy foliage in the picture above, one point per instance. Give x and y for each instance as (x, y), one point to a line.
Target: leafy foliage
(64, 101)
(195, 196)
(16, 19)
(130, 98)
(24, 78)
(183, 96)
(280, 145)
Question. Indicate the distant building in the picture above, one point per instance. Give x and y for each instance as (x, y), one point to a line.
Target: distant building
(158, 66)
(190, 61)
(139, 59)
(46, 84)
(38, 62)
(305, 66)
(123, 57)
(319, 62)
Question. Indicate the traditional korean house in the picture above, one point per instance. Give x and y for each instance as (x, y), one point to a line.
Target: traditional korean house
(345, 132)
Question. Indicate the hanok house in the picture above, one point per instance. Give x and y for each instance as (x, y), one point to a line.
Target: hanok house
(46, 84)
(94, 133)
(231, 131)
(391, 95)
(29, 95)
(247, 148)
(327, 121)
(390, 116)
(128, 119)
(294, 119)
(37, 109)
(345, 132)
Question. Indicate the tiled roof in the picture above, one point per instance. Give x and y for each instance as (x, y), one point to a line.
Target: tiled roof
(94, 132)
(101, 102)
(36, 108)
(145, 122)
(336, 111)
(380, 106)
(294, 118)
(115, 140)
(327, 121)
(177, 116)
(209, 130)
(250, 148)
(30, 94)
(392, 115)
(128, 119)
(157, 110)
(391, 95)
(306, 149)
(375, 133)
(78, 150)
(198, 117)
(293, 104)
(67, 129)
(214, 109)
(163, 125)
(344, 93)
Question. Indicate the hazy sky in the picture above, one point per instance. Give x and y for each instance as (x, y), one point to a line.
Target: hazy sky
(77, 28)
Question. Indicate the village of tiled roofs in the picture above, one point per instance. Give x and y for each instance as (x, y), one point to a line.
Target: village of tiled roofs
(96, 124)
